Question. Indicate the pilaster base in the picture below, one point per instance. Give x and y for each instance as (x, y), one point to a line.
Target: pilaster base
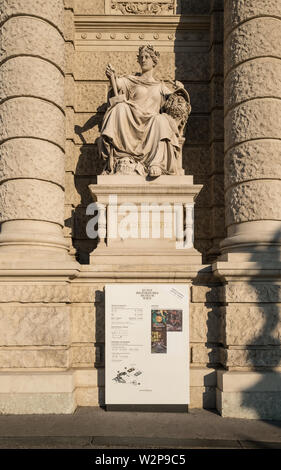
(37, 393)
(249, 395)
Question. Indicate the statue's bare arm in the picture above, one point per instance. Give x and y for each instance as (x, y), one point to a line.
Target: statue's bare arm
(114, 80)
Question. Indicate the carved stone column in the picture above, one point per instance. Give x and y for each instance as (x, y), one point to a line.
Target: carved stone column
(252, 124)
(250, 386)
(32, 129)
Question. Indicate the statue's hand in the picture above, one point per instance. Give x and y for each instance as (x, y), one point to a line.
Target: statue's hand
(178, 84)
(109, 71)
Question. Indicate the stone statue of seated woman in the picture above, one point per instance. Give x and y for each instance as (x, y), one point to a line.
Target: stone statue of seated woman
(143, 127)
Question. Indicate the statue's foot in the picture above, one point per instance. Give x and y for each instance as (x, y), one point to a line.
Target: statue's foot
(155, 171)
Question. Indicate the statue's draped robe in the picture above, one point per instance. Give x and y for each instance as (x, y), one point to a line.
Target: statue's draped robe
(135, 128)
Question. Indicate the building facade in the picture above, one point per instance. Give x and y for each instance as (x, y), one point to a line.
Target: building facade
(53, 92)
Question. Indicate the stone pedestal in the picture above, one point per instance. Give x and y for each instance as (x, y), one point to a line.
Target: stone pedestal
(250, 265)
(146, 227)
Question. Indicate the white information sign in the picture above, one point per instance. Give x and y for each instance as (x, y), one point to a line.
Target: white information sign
(147, 344)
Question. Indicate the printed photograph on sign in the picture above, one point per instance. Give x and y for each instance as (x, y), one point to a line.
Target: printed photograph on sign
(174, 320)
(158, 332)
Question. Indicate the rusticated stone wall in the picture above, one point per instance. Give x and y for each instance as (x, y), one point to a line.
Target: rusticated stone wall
(205, 341)
(35, 324)
(251, 325)
(88, 336)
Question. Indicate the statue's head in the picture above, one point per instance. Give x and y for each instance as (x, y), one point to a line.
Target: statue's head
(148, 49)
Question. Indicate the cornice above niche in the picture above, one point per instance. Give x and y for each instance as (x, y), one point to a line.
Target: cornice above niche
(141, 7)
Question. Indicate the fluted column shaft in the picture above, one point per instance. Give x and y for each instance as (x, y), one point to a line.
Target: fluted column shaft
(252, 123)
(32, 133)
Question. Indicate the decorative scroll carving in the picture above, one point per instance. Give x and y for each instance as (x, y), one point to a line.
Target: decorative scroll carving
(144, 7)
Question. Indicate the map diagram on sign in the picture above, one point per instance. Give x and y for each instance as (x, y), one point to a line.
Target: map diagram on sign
(128, 376)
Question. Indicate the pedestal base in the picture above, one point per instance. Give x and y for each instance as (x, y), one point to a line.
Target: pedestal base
(147, 226)
(37, 393)
(249, 395)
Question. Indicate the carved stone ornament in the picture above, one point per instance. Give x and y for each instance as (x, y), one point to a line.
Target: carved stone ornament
(144, 7)
(143, 127)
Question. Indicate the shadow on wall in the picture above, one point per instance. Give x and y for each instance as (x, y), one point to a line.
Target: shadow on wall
(191, 51)
(88, 167)
(100, 344)
(264, 355)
